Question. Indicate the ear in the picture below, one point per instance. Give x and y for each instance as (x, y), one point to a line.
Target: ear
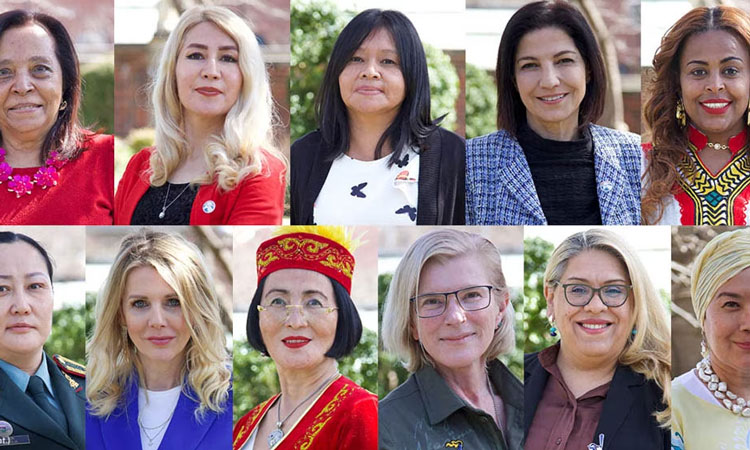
(549, 295)
(413, 327)
(503, 303)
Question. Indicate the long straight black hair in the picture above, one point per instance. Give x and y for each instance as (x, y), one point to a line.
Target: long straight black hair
(413, 123)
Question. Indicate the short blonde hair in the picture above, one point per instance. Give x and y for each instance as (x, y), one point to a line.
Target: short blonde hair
(113, 358)
(721, 259)
(398, 315)
(248, 126)
(649, 350)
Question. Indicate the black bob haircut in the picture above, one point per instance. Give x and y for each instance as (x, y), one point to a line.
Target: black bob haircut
(9, 237)
(348, 327)
(66, 132)
(544, 14)
(413, 123)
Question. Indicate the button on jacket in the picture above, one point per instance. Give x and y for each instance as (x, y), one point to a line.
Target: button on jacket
(424, 413)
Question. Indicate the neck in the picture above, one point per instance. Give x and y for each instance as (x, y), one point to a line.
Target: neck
(162, 375)
(22, 152)
(296, 385)
(469, 383)
(566, 130)
(583, 374)
(738, 381)
(28, 362)
(199, 131)
(364, 134)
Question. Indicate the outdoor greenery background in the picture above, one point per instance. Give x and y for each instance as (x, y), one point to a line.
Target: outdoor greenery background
(68, 331)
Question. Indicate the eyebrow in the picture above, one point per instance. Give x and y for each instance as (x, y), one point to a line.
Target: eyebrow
(728, 58)
(32, 59)
(286, 291)
(205, 47)
(733, 295)
(170, 295)
(613, 280)
(556, 55)
(28, 275)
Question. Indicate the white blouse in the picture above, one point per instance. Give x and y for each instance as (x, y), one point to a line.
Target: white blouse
(155, 410)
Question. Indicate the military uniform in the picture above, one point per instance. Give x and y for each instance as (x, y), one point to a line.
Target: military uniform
(32, 428)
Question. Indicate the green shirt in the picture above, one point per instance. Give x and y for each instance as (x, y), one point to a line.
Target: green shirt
(425, 414)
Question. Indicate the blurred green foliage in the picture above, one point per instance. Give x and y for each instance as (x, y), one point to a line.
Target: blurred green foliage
(255, 378)
(98, 97)
(68, 336)
(536, 327)
(135, 141)
(315, 27)
(481, 102)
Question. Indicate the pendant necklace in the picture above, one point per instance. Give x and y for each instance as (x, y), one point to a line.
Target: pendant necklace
(159, 429)
(166, 197)
(278, 434)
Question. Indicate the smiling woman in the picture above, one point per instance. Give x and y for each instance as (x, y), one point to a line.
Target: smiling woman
(160, 375)
(54, 171)
(214, 159)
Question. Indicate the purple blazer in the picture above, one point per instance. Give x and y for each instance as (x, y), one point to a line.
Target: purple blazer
(120, 431)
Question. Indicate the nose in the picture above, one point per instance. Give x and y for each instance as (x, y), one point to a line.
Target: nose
(550, 77)
(22, 84)
(596, 305)
(370, 69)
(21, 304)
(454, 313)
(295, 317)
(715, 82)
(156, 318)
(210, 70)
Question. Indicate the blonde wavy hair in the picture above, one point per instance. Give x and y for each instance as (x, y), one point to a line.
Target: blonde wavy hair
(399, 316)
(649, 350)
(723, 258)
(238, 152)
(113, 359)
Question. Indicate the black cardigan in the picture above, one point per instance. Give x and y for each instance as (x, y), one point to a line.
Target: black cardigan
(626, 421)
(441, 190)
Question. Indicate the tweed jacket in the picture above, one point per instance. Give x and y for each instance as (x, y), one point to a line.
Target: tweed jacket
(500, 190)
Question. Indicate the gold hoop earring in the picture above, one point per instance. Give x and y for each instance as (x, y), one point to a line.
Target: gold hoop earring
(680, 114)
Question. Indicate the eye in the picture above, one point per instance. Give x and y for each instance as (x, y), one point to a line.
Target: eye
(698, 72)
(731, 71)
(194, 55)
(314, 303)
(731, 304)
(613, 290)
(277, 302)
(578, 289)
(566, 61)
(529, 66)
(4, 289)
(173, 302)
(41, 68)
(5, 72)
(388, 61)
(228, 58)
(355, 58)
(139, 303)
(37, 286)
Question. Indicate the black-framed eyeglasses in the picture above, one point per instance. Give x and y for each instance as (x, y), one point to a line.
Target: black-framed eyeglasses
(612, 295)
(471, 298)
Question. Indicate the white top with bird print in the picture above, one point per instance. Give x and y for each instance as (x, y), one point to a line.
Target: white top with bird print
(369, 192)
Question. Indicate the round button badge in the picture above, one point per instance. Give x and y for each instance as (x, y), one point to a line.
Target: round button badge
(6, 429)
(209, 206)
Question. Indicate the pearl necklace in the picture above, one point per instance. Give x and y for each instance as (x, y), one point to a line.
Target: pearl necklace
(716, 146)
(45, 177)
(719, 389)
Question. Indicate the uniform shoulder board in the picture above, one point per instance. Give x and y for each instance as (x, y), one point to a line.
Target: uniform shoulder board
(70, 366)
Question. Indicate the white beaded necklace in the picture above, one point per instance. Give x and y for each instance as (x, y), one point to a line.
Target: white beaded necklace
(719, 389)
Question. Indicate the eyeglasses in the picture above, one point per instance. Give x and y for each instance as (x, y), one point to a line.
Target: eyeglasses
(470, 299)
(612, 295)
(310, 309)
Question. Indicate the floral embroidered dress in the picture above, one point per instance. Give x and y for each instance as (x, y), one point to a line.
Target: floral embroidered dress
(700, 422)
(710, 198)
(344, 416)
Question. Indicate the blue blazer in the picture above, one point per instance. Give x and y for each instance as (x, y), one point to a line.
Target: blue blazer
(500, 190)
(121, 431)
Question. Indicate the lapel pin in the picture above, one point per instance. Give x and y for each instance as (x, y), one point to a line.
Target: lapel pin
(593, 446)
(209, 206)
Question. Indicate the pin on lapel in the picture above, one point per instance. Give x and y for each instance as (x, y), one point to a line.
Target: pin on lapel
(593, 446)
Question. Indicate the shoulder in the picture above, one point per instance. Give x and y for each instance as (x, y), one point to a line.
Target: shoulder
(398, 399)
(74, 372)
(311, 142)
(446, 138)
(98, 142)
(141, 159)
(490, 141)
(621, 139)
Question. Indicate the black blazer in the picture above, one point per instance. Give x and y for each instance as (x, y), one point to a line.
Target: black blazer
(442, 175)
(627, 420)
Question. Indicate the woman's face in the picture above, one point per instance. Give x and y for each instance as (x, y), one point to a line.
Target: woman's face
(371, 83)
(551, 77)
(594, 333)
(208, 74)
(297, 338)
(26, 301)
(727, 324)
(153, 316)
(715, 83)
(457, 339)
(31, 83)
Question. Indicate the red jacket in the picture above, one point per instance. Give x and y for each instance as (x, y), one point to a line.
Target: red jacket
(257, 200)
(84, 194)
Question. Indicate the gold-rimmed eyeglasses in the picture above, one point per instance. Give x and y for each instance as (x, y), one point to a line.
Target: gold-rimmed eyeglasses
(281, 310)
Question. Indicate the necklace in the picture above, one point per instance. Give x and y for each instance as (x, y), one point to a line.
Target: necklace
(278, 434)
(45, 177)
(717, 146)
(719, 389)
(166, 197)
(160, 428)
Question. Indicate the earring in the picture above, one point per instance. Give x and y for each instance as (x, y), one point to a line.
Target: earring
(63, 105)
(498, 325)
(553, 331)
(748, 115)
(635, 331)
(704, 348)
(680, 114)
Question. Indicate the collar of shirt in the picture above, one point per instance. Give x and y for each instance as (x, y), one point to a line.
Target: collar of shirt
(548, 360)
(21, 378)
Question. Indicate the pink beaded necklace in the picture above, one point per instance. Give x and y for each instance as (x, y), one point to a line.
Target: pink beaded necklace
(45, 177)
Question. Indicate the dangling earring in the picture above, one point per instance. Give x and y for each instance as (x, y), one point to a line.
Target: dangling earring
(634, 332)
(748, 115)
(680, 114)
(704, 348)
(63, 105)
(552, 328)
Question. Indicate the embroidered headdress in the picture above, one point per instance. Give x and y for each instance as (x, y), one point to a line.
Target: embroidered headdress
(323, 249)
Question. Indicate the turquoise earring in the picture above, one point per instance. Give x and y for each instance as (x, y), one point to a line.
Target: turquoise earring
(553, 331)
